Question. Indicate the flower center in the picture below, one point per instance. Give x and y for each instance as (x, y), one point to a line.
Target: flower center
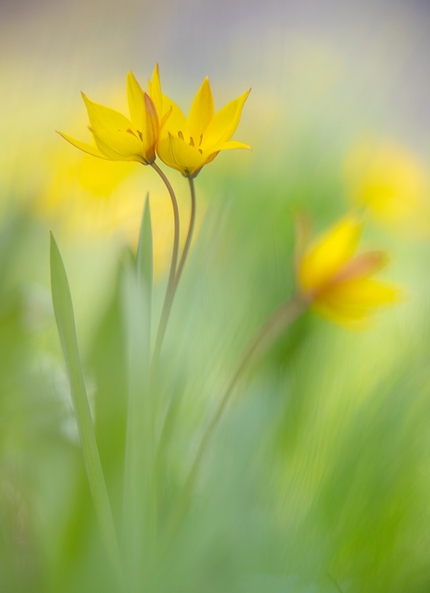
(191, 142)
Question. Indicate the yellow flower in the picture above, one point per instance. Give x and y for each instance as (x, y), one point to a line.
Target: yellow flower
(118, 138)
(391, 183)
(189, 144)
(338, 283)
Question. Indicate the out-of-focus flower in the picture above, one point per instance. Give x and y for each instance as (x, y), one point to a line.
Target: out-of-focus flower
(118, 138)
(391, 183)
(189, 144)
(338, 283)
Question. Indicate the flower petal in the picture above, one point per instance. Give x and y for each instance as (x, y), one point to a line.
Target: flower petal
(224, 123)
(350, 303)
(113, 129)
(88, 148)
(151, 128)
(363, 266)
(154, 88)
(201, 111)
(327, 255)
(180, 155)
(231, 145)
(136, 102)
(112, 154)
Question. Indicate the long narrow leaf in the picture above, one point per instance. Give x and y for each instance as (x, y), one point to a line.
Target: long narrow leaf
(64, 315)
(137, 292)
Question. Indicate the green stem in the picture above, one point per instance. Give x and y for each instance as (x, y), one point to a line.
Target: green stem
(190, 232)
(267, 334)
(170, 291)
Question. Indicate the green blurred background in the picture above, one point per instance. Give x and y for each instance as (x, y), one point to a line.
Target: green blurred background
(318, 479)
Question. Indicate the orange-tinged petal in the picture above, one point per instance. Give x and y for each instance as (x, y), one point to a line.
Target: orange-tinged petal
(150, 129)
(136, 102)
(201, 111)
(88, 148)
(224, 123)
(363, 266)
(327, 255)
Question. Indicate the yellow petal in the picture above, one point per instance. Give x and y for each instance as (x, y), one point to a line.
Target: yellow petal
(181, 156)
(164, 151)
(351, 303)
(231, 145)
(176, 120)
(113, 129)
(154, 88)
(224, 123)
(88, 148)
(113, 155)
(201, 111)
(360, 294)
(136, 103)
(327, 255)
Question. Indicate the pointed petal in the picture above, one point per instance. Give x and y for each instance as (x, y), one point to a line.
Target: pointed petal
(136, 103)
(363, 266)
(201, 111)
(88, 148)
(231, 145)
(327, 255)
(150, 128)
(154, 88)
(224, 123)
(113, 129)
(176, 120)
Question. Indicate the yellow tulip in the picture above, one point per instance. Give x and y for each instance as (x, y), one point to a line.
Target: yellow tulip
(188, 144)
(337, 283)
(118, 138)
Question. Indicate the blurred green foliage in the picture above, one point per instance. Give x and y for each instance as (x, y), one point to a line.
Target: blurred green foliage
(318, 477)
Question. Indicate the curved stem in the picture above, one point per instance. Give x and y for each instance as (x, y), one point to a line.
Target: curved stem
(190, 232)
(171, 284)
(267, 334)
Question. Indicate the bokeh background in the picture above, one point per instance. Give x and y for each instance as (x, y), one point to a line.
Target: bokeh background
(319, 477)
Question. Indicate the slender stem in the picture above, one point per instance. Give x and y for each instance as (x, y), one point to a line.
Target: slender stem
(267, 334)
(190, 232)
(170, 291)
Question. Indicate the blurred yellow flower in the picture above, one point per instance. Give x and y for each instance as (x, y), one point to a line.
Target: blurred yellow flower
(189, 144)
(118, 138)
(391, 183)
(338, 283)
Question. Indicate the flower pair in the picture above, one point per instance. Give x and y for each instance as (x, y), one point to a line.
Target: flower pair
(158, 126)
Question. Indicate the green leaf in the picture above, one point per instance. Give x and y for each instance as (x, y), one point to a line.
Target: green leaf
(145, 253)
(64, 315)
(139, 511)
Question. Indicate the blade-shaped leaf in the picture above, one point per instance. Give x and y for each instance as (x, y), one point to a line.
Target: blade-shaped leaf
(139, 512)
(64, 315)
